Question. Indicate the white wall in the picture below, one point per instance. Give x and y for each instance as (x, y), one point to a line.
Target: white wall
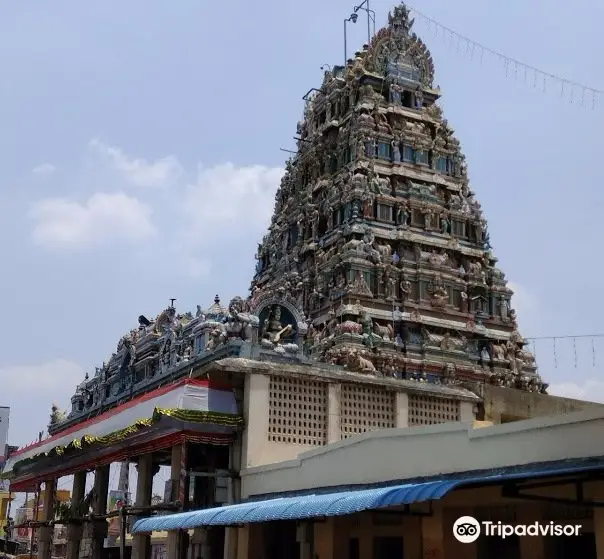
(393, 454)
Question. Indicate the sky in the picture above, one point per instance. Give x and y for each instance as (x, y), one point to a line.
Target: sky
(140, 154)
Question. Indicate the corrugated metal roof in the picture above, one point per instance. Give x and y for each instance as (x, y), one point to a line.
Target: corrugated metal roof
(339, 503)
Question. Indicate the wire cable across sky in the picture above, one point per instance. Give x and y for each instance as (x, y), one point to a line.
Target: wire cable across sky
(571, 91)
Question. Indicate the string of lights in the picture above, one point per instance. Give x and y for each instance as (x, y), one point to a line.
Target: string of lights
(571, 91)
(537, 344)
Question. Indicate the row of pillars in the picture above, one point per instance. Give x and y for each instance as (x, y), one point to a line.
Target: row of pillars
(86, 540)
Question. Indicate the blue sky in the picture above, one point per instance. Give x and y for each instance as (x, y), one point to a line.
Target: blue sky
(140, 156)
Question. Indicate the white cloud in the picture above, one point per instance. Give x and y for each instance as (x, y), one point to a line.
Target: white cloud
(44, 170)
(61, 223)
(238, 200)
(590, 390)
(30, 390)
(137, 171)
(225, 204)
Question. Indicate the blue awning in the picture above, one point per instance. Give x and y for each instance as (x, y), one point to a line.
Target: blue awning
(343, 502)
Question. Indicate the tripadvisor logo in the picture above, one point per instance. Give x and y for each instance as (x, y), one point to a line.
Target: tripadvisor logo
(467, 529)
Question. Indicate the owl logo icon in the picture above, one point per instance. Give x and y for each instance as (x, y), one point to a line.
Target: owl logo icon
(466, 529)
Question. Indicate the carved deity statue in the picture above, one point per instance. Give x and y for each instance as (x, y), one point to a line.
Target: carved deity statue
(396, 150)
(464, 301)
(274, 330)
(402, 214)
(405, 287)
(390, 291)
(428, 218)
(395, 93)
(374, 182)
(370, 339)
(504, 309)
(239, 320)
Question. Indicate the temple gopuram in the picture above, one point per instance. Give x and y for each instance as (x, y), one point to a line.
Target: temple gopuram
(376, 303)
(378, 237)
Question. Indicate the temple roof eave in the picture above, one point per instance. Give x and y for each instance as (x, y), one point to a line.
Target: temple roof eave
(164, 423)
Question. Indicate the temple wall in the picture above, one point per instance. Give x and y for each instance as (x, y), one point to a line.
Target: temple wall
(432, 450)
(288, 415)
(502, 405)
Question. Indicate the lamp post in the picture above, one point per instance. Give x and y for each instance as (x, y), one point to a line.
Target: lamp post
(353, 18)
(370, 17)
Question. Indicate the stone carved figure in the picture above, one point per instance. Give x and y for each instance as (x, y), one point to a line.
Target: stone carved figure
(405, 288)
(439, 296)
(239, 321)
(504, 309)
(216, 338)
(385, 332)
(358, 364)
(359, 285)
(428, 214)
(274, 330)
(498, 351)
(396, 151)
(390, 291)
(164, 320)
(464, 301)
(395, 93)
(402, 214)
(374, 182)
(370, 338)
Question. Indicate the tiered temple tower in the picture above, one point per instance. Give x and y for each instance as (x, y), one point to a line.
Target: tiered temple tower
(378, 237)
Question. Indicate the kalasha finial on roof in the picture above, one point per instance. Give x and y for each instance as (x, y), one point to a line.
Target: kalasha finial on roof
(217, 299)
(400, 18)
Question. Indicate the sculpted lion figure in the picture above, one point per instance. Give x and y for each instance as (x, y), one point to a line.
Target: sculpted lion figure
(164, 320)
(357, 363)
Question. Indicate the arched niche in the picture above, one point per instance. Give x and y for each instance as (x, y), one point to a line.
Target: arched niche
(288, 315)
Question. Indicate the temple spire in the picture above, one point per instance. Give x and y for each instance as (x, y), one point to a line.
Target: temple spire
(376, 213)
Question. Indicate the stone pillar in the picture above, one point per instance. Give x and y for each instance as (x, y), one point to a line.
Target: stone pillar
(255, 412)
(95, 531)
(234, 496)
(74, 531)
(200, 544)
(141, 543)
(433, 541)
(453, 548)
(531, 547)
(599, 531)
(100, 527)
(334, 415)
(48, 511)
(402, 410)
(250, 542)
(176, 480)
(324, 539)
(597, 494)
(305, 539)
